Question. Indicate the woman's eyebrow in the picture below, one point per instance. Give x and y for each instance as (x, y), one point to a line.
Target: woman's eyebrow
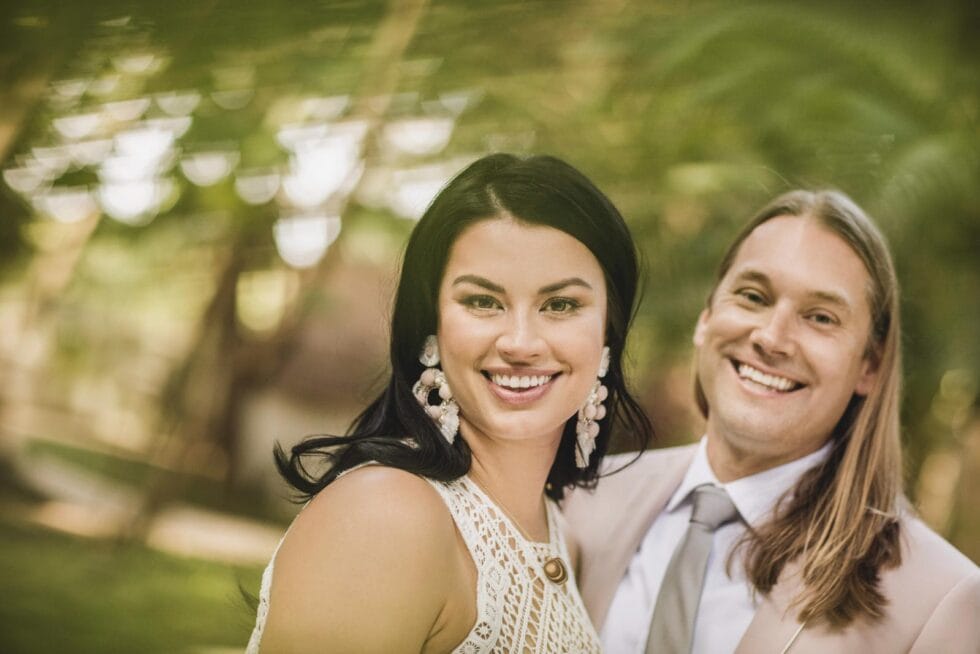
(479, 281)
(483, 282)
(557, 286)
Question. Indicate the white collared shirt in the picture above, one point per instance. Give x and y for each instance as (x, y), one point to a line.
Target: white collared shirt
(727, 605)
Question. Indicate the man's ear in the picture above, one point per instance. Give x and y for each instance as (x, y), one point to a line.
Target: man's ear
(701, 327)
(868, 375)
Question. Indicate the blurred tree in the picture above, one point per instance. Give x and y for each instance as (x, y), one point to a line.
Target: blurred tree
(691, 117)
(203, 398)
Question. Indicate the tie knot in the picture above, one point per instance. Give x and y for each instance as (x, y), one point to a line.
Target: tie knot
(712, 507)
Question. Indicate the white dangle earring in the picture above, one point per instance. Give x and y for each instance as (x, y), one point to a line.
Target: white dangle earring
(446, 413)
(587, 427)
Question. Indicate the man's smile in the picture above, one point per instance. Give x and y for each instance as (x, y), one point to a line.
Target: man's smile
(768, 381)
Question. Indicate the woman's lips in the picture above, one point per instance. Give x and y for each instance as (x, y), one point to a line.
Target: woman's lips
(519, 396)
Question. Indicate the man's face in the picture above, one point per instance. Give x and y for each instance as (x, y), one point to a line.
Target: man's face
(781, 348)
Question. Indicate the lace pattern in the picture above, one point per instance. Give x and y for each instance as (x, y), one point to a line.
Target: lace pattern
(518, 608)
(262, 611)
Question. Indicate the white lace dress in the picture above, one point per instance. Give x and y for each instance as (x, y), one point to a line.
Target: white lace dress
(518, 608)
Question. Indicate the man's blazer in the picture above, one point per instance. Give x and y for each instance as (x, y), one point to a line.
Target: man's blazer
(933, 596)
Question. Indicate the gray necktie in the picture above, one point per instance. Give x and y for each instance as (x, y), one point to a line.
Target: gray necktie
(672, 627)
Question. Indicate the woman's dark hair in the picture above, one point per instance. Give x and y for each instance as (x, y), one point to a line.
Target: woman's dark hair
(394, 430)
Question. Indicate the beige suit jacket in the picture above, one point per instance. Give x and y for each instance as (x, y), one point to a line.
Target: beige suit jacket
(933, 596)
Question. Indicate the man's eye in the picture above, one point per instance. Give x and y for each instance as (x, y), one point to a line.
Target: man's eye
(755, 297)
(823, 319)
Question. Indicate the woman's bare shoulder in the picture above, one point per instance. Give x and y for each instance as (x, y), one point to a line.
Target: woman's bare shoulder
(374, 506)
(364, 564)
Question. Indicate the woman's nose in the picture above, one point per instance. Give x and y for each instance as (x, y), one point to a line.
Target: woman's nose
(520, 339)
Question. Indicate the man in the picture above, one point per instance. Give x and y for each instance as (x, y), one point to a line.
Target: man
(784, 529)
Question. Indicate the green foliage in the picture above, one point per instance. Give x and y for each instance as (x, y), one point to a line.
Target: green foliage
(64, 594)
(690, 116)
(204, 492)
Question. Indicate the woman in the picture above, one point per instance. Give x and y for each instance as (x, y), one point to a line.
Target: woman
(434, 528)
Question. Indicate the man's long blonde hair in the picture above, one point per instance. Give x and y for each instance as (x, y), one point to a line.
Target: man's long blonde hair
(840, 522)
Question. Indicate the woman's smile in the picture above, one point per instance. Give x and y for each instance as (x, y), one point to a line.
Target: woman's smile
(519, 388)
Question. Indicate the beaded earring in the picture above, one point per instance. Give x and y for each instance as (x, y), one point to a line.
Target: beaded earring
(587, 427)
(446, 413)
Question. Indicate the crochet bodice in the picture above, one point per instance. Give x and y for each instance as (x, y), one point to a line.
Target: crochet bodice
(518, 608)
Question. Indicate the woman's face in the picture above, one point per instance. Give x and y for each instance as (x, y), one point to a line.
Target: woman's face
(522, 315)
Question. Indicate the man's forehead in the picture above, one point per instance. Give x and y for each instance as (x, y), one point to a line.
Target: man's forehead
(784, 233)
(798, 251)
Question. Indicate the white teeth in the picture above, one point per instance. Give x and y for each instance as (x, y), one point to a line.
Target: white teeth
(777, 383)
(513, 381)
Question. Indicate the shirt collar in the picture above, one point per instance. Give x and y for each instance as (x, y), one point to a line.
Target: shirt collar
(754, 496)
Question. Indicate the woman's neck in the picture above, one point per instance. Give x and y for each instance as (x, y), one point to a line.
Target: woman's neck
(513, 474)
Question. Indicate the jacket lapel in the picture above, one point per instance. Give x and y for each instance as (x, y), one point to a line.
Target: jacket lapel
(651, 494)
(774, 628)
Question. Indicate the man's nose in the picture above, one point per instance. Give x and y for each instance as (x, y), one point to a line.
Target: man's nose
(775, 333)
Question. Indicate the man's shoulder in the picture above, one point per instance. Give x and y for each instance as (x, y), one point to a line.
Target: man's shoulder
(930, 569)
(923, 548)
(623, 475)
(640, 463)
(933, 594)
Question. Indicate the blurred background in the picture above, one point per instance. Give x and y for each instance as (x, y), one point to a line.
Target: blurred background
(203, 205)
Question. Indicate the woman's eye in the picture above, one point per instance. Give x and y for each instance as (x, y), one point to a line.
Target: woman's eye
(482, 302)
(561, 305)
